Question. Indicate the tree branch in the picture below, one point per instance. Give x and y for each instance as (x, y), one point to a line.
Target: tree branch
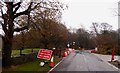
(2, 13)
(21, 13)
(18, 6)
(35, 6)
(20, 29)
(1, 23)
(95, 28)
(3, 27)
(27, 11)
(35, 26)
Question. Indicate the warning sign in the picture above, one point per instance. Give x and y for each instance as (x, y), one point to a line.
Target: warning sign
(44, 54)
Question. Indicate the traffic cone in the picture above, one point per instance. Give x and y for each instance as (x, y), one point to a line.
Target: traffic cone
(73, 50)
(112, 54)
(65, 54)
(51, 64)
(67, 49)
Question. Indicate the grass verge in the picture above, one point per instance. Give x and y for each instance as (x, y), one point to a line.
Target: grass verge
(32, 66)
(17, 52)
(115, 63)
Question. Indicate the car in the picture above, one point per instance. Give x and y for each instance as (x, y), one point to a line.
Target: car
(93, 51)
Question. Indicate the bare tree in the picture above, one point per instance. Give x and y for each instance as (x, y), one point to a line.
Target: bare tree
(105, 37)
(12, 10)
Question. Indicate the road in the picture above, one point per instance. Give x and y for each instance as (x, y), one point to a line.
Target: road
(84, 61)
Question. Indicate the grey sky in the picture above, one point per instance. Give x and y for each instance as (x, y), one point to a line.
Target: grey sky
(81, 13)
(84, 12)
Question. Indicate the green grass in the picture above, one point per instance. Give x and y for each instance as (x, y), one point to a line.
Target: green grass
(17, 52)
(32, 66)
(115, 63)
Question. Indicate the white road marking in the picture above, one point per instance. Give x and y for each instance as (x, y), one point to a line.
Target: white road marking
(55, 65)
(111, 65)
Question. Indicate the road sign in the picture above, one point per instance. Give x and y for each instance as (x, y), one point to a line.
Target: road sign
(44, 54)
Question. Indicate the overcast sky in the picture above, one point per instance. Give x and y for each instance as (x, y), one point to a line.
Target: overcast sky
(84, 12)
(81, 13)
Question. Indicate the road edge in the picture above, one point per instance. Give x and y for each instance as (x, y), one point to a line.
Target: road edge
(107, 62)
(56, 65)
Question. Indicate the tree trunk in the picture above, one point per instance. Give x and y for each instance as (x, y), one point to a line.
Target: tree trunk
(7, 40)
(6, 53)
(45, 42)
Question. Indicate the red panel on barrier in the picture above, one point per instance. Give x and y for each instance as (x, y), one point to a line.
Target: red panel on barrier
(44, 54)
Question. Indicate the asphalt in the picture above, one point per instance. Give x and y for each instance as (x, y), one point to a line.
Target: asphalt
(84, 61)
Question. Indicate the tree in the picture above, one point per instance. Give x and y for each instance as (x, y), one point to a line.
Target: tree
(8, 23)
(8, 28)
(47, 21)
(105, 37)
(56, 36)
(84, 38)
